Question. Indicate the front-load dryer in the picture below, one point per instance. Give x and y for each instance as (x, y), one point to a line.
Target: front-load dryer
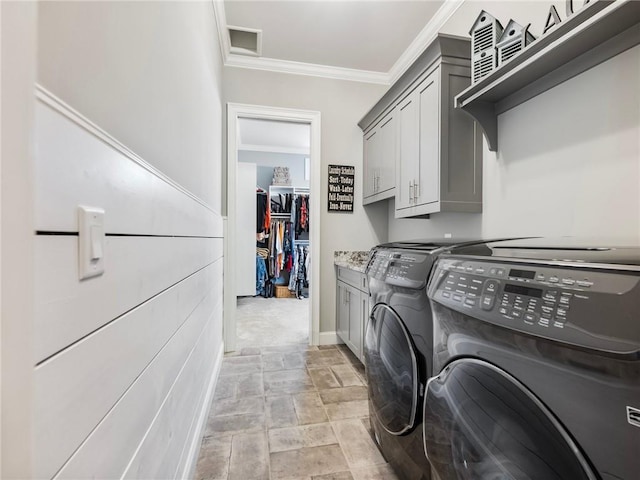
(538, 368)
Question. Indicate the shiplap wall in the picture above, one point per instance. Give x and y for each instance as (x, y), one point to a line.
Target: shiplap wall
(128, 119)
(125, 362)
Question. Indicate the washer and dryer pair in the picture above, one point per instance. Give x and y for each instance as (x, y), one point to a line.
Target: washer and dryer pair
(521, 361)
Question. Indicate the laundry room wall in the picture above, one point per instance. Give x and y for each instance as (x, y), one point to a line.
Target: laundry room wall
(568, 161)
(342, 104)
(129, 119)
(266, 161)
(18, 71)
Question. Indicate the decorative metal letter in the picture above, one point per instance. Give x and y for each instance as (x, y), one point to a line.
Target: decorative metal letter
(569, 5)
(552, 19)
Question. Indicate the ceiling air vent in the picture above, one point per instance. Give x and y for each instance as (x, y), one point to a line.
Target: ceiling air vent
(245, 41)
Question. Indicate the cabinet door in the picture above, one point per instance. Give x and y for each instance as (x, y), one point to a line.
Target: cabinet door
(355, 321)
(427, 187)
(364, 321)
(386, 175)
(342, 312)
(371, 153)
(408, 113)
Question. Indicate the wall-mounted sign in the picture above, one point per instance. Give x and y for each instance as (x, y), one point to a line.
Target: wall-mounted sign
(341, 188)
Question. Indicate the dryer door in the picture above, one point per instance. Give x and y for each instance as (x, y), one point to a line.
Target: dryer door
(392, 371)
(482, 423)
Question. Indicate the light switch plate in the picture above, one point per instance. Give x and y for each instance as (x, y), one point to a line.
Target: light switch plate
(90, 242)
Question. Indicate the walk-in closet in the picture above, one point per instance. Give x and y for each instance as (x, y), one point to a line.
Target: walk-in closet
(273, 246)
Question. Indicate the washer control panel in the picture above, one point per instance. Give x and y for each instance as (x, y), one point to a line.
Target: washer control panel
(584, 306)
(400, 268)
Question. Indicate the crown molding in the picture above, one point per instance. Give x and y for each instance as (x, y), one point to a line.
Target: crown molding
(424, 39)
(223, 32)
(299, 68)
(419, 44)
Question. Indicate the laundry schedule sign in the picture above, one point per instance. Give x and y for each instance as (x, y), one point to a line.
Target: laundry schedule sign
(341, 188)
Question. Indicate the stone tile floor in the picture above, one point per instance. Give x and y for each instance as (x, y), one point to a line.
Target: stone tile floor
(291, 412)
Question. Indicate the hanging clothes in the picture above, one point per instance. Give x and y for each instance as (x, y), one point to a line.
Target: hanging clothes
(307, 266)
(303, 262)
(261, 275)
(285, 223)
(261, 210)
(293, 273)
(302, 214)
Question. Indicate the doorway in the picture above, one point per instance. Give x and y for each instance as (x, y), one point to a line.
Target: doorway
(252, 145)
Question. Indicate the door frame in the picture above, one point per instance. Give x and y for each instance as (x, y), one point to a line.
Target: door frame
(235, 111)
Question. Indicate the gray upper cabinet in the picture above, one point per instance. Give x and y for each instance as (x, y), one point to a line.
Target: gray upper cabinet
(440, 152)
(437, 148)
(380, 159)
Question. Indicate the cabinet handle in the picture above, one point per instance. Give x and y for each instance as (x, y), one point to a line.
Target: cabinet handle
(410, 191)
(416, 191)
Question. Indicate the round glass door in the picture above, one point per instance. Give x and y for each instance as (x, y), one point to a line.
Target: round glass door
(482, 423)
(392, 372)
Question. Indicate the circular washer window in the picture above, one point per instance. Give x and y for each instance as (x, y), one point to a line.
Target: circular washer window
(482, 423)
(392, 372)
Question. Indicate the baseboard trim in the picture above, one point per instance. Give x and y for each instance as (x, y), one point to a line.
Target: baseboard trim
(196, 440)
(329, 338)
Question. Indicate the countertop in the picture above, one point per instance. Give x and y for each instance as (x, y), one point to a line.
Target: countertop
(354, 260)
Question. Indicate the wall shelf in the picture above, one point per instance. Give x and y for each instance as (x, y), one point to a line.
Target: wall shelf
(597, 32)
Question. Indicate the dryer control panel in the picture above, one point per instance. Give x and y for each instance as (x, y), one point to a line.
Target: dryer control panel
(594, 308)
(400, 268)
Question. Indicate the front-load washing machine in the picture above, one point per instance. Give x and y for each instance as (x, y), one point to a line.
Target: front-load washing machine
(398, 349)
(538, 368)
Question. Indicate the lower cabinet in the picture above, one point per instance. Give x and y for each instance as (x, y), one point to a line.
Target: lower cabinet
(352, 310)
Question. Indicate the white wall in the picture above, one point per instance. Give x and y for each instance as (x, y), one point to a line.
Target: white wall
(568, 161)
(18, 70)
(341, 104)
(266, 161)
(457, 225)
(129, 118)
(148, 72)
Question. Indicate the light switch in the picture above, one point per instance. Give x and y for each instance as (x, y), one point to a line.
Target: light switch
(97, 237)
(90, 241)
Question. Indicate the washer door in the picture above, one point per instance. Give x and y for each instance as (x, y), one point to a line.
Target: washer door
(392, 371)
(482, 423)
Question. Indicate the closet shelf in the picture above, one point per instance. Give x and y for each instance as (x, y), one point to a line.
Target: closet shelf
(597, 32)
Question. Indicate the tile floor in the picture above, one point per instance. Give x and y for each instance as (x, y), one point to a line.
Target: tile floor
(290, 412)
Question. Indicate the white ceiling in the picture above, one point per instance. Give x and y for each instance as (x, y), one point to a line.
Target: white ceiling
(361, 35)
(272, 136)
(363, 40)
